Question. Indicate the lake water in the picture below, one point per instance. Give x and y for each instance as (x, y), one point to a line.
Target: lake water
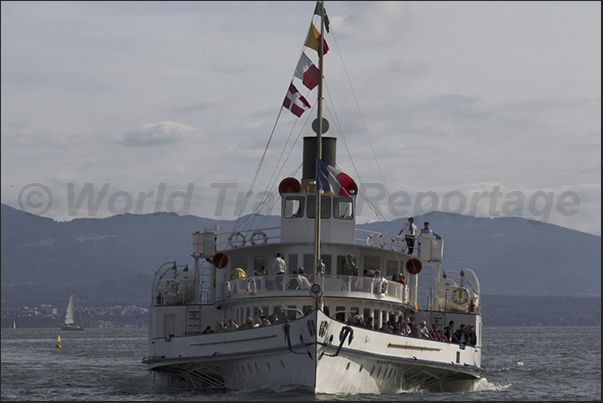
(522, 363)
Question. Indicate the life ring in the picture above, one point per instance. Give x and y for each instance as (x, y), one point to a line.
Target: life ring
(398, 242)
(261, 237)
(375, 236)
(384, 284)
(252, 287)
(381, 287)
(237, 239)
(460, 296)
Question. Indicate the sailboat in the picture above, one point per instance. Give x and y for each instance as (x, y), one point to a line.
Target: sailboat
(69, 322)
(320, 303)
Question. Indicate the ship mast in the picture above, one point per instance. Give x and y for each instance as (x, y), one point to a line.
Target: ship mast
(319, 137)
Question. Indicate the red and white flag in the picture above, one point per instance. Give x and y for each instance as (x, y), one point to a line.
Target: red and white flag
(295, 102)
(307, 72)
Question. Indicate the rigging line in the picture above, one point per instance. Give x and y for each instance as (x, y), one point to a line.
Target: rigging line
(276, 175)
(363, 123)
(257, 172)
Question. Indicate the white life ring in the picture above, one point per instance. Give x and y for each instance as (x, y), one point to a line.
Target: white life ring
(460, 296)
(375, 236)
(252, 287)
(398, 242)
(237, 239)
(259, 237)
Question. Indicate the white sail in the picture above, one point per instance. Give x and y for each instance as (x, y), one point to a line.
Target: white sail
(70, 315)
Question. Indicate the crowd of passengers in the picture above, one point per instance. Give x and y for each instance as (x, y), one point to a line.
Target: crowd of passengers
(406, 326)
(260, 320)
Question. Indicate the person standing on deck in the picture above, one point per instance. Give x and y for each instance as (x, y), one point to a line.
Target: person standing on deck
(410, 230)
(279, 267)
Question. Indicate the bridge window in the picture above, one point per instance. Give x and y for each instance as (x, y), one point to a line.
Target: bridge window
(325, 207)
(293, 207)
(343, 208)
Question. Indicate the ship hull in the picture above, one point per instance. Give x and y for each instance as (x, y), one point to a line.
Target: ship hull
(314, 353)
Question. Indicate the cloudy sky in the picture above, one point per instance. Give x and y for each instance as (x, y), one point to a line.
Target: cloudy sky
(480, 108)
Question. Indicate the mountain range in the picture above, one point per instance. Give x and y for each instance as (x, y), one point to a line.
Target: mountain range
(111, 261)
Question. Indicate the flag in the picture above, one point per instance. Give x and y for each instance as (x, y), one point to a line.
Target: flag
(329, 178)
(295, 102)
(312, 41)
(307, 72)
(317, 11)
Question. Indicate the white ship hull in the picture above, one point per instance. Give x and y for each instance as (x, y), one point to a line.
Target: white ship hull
(296, 354)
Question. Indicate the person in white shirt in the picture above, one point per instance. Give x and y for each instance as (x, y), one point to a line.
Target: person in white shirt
(304, 283)
(423, 331)
(410, 230)
(279, 267)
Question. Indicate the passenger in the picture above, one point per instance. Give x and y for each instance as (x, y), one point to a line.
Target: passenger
(410, 229)
(423, 331)
(427, 232)
(356, 320)
(449, 330)
(459, 335)
(406, 325)
(208, 330)
(237, 272)
(442, 336)
(273, 319)
(320, 268)
(232, 325)
(434, 333)
(470, 336)
(257, 320)
(302, 279)
(247, 325)
(368, 323)
(221, 327)
(398, 329)
(279, 267)
(379, 283)
(349, 267)
(402, 279)
(414, 331)
(264, 322)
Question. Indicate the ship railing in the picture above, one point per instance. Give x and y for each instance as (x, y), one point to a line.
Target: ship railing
(429, 250)
(290, 284)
